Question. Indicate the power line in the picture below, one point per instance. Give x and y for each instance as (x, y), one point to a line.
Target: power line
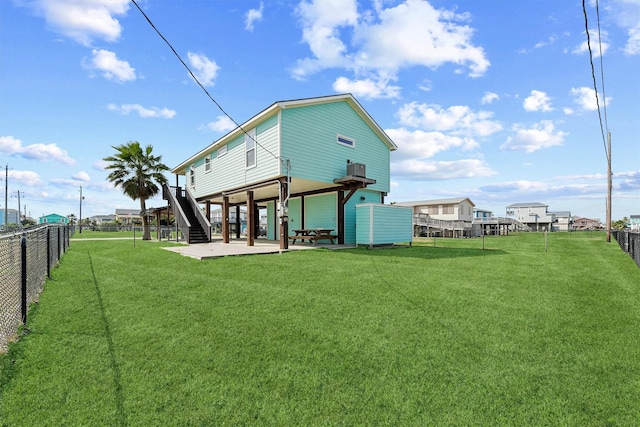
(604, 96)
(198, 81)
(593, 75)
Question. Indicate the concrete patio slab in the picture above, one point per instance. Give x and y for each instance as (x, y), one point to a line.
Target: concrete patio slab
(218, 249)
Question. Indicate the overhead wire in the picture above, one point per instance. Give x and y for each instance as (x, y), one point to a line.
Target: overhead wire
(198, 81)
(593, 75)
(604, 96)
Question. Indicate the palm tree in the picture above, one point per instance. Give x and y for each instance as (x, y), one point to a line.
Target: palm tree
(139, 173)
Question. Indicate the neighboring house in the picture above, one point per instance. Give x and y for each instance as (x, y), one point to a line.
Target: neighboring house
(128, 216)
(580, 223)
(534, 215)
(481, 214)
(305, 163)
(561, 221)
(456, 209)
(53, 218)
(102, 219)
(634, 222)
(12, 216)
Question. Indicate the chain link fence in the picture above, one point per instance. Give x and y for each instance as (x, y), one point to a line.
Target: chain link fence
(26, 259)
(629, 241)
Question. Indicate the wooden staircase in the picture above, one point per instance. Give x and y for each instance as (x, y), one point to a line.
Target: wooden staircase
(196, 232)
(191, 223)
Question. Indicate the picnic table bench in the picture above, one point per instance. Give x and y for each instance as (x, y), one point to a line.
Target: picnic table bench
(313, 235)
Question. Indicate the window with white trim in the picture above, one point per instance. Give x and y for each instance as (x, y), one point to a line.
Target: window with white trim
(344, 140)
(192, 176)
(250, 148)
(207, 164)
(222, 150)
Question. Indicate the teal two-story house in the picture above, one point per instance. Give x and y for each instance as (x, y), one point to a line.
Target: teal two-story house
(306, 162)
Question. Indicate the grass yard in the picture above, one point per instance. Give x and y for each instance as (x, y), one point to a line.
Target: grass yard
(447, 335)
(97, 234)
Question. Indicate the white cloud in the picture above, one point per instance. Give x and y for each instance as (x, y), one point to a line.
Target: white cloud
(83, 21)
(457, 119)
(40, 152)
(633, 43)
(537, 101)
(144, 112)
(540, 135)
(100, 165)
(596, 47)
(111, 67)
(415, 33)
(383, 41)
(585, 97)
(82, 176)
(366, 88)
(431, 171)
(253, 15)
(222, 124)
(204, 69)
(489, 97)
(28, 178)
(626, 14)
(551, 40)
(418, 144)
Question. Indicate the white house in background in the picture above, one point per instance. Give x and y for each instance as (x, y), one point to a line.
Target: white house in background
(561, 221)
(533, 214)
(102, 219)
(11, 218)
(128, 216)
(455, 209)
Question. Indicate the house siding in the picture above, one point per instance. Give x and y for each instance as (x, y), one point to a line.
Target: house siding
(229, 171)
(350, 220)
(272, 225)
(383, 224)
(309, 142)
(295, 214)
(321, 211)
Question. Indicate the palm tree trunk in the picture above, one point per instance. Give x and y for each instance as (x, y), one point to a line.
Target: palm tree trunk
(146, 233)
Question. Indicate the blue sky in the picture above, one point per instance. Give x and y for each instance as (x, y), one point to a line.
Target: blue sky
(491, 100)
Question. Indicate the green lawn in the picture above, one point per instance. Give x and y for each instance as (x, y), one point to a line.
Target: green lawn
(526, 332)
(91, 234)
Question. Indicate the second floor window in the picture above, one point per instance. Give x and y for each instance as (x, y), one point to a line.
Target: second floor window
(192, 176)
(250, 148)
(207, 163)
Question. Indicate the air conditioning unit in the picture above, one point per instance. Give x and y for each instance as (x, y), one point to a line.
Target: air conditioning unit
(356, 169)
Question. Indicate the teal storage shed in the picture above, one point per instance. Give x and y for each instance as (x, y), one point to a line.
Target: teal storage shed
(378, 224)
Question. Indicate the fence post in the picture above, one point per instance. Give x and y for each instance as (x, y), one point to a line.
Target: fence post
(49, 252)
(23, 287)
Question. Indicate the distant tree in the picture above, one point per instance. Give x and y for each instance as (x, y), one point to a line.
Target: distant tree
(620, 224)
(139, 173)
(72, 219)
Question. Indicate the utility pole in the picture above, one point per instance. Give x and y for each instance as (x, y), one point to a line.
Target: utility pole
(19, 209)
(6, 194)
(80, 221)
(609, 185)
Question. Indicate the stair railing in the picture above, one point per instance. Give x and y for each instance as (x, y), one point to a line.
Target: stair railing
(200, 216)
(171, 194)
